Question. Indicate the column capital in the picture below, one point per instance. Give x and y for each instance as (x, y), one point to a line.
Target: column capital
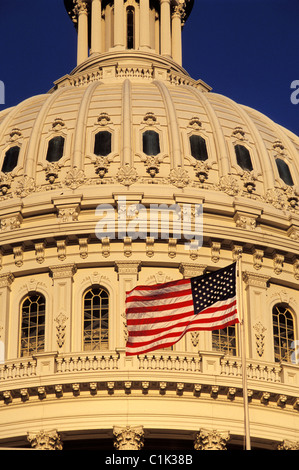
(207, 439)
(63, 271)
(179, 10)
(45, 440)
(256, 280)
(81, 7)
(288, 445)
(6, 279)
(127, 267)
(192, 269)
(128, 437)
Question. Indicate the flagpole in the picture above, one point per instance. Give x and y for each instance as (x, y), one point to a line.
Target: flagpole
(242, 339)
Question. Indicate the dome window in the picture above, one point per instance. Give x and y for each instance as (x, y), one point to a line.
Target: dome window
(283, 333)
(96, 311)
(243, 158)
(130, 28)
(102, 143)
(55, 149)
(284, 172)
(198, 147)
(151, 143)
(10, 159)
(33, 312)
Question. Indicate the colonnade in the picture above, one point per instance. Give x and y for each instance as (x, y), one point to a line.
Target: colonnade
(132, 438)
(167, 28)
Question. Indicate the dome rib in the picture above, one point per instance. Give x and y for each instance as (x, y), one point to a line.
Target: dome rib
(261, 147)
(80, 130)
(17, 110)
(127, 124)
(32, 152)
(224, 162)
(283, 137)
(175, 140)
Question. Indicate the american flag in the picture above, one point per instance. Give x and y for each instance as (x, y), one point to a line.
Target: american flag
(159, 316)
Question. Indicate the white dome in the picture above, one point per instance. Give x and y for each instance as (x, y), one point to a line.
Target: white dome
(132, 124)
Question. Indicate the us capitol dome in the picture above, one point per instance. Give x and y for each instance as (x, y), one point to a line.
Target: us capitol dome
(130, 124)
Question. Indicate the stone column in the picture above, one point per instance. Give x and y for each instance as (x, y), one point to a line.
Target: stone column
(177, 16)
(165, 28)
(127, 279)
(45, 440)
(81, 10)
(96, 26)
(119, 22)
(144, 26)
(128, 438)
(6, 281)
(62, 305)
(207, 439)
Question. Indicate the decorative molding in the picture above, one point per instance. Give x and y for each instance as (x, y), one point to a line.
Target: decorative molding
(61, 249)
(128, 438)
(179, 177)
(83, 247)
(40, 252)
(278, 263)
(215, 251)
(245, 221)
(259, 336)
(172, 244)
(68, 213)
(127, 175)
(258, 259)
(75, 178)
(52, 171)
(158, 278)
(18, 255)
(25, 186)
(211, 440)
(61, 320)
(11, 223)
(150, 243)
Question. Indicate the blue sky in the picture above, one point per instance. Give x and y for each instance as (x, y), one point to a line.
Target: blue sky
(247, 50)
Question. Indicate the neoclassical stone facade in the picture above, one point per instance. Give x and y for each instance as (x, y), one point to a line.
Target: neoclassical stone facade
(128, 130)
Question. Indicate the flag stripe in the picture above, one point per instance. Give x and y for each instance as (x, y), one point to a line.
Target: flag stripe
(190, 320)
(163, 295)
(159, 316)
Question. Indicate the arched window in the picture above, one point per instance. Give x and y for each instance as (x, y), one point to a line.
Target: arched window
(10, 159)
(225, 340)
(95, 319)
(55, 149)
(130, 28)
(102, 143)
(33, 310)
(243, 158)
(284, 172)
(151, 143)
(198, 147)
(283, 333)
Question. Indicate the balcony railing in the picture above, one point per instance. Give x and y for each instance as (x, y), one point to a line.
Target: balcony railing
(204, 364)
